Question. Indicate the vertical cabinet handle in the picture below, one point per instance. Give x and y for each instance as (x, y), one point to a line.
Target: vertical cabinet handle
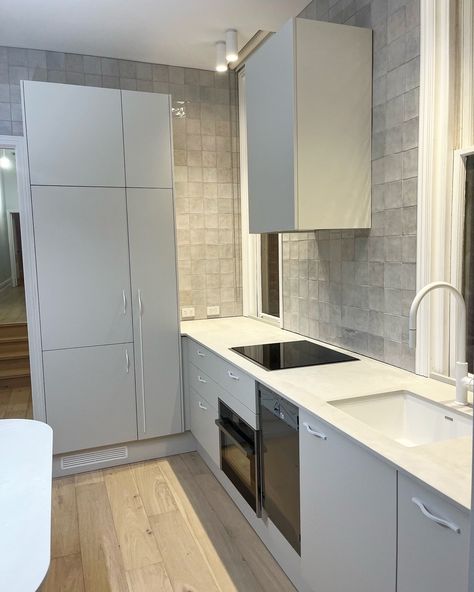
(315, 433)
(142, 363)
(232, 375)
(127, 361)
(140, 305)
(441, 521)
(124, 299)
(201, 406)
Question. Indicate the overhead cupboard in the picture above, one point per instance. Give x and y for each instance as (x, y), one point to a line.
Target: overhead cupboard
(308, 92)
(103, 215)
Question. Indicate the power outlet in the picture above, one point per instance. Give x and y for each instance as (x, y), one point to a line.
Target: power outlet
(213, 311)
(187, 313)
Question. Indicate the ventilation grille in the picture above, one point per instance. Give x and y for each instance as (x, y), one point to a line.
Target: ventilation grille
(92, 458)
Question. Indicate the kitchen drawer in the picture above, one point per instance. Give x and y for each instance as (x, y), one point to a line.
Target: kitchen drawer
(203, 426)
(212, 392)
(230, 377)
(203, 385)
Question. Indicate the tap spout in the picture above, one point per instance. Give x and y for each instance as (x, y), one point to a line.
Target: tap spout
(461, 334)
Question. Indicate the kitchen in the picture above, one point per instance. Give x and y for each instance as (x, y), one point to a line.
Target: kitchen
(220, 260)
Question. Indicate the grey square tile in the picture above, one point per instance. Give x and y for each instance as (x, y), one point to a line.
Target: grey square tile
(17, 56)
(393, 275)
(37, 59)
(55, 60)
(74, 62)
(5, 112)
(109, 67)
(92, 65)
(176, 75)
(144, 71)
(17, 73)
(410, 163)
(5, 127)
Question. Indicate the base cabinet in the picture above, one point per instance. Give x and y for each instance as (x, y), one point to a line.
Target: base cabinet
(432, 556)
(348, 513)
(90, 396)
(203, 426)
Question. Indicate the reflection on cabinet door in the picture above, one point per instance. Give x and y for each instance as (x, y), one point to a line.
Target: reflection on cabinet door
(348, 513)
(90, 396)
(433, 556)
(147, 139)
(74, 135)
(155, 309)
(83, 267)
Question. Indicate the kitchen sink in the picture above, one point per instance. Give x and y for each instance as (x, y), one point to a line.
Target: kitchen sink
(407, 418)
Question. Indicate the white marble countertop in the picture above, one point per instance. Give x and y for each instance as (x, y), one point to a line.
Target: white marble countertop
(26, 453)
(445, 466)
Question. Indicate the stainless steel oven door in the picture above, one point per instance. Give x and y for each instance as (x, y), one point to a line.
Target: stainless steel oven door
(240, 455)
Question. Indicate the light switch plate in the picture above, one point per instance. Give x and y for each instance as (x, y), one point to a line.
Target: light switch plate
(213, 311)
(187, 313)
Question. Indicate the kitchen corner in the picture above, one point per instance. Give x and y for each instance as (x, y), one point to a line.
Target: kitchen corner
(445, 466)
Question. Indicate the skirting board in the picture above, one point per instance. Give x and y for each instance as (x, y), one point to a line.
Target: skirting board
(137, 451)
(5, 284)
(281, 550)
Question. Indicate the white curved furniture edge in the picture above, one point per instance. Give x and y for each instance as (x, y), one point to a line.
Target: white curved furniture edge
(26, 452)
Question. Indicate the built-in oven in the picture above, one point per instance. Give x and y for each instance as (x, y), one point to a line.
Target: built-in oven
(239, 452)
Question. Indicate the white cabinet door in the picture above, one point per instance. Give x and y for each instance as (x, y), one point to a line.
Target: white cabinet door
(83, 267)
(90, 396)
(203, 425)
(432, 557)
(155, 309)
(147, 139)
(348, 513)
(74, 135)
(270, 109)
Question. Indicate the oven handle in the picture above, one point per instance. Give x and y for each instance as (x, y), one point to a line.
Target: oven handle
(242, 443)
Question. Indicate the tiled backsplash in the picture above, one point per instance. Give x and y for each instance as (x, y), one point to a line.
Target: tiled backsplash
(205, 157)
(354, 288)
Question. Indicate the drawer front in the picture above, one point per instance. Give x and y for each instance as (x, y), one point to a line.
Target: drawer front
(203, 427)
(203, 385)
(233, 379)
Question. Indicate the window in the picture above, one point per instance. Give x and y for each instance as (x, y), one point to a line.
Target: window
(446, 181)
(261, 253)
(468, 258)
(270, 274)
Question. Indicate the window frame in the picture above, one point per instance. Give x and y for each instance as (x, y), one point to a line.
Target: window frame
(251, 243)
(446, 122)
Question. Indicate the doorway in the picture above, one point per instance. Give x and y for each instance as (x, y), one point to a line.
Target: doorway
(15, 382)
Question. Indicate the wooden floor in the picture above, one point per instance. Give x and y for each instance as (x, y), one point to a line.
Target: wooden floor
(12, 305)
(15, 403)
(163, 525)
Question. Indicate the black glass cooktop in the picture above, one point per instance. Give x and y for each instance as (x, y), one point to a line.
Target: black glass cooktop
(291, 354)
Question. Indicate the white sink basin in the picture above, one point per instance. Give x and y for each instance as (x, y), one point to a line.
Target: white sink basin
(408, 418)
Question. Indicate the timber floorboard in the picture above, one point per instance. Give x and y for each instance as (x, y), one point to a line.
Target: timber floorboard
(165, 525)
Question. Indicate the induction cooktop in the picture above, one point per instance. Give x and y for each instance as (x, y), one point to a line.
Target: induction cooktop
(291, 354)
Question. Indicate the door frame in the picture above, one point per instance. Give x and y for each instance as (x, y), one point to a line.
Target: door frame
(25, 209)
(12, 248)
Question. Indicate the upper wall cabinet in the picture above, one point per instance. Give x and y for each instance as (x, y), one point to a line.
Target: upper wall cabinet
(147, 140)
(81, 128)
(308, 105)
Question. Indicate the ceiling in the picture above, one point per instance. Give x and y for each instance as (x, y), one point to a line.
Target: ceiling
(180, 33)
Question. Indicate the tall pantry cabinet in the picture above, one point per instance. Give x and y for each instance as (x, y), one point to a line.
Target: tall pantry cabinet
(102, 199)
